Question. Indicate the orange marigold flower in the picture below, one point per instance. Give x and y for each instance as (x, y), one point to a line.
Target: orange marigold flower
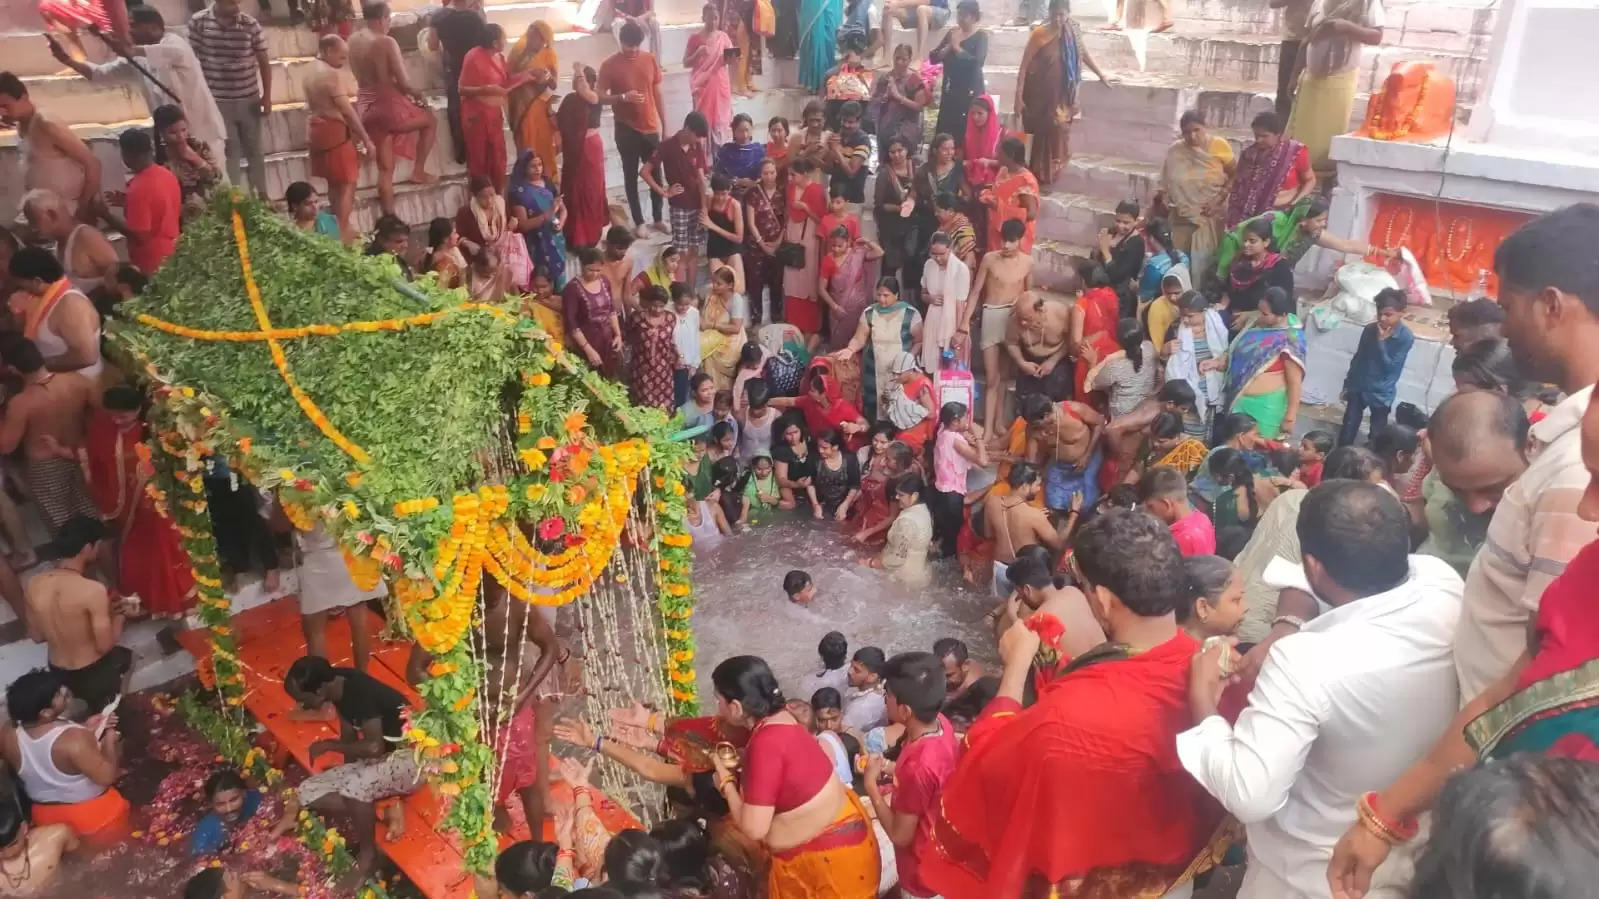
(575, 422)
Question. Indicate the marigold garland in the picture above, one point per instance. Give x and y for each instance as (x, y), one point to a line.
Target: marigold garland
(307, 405)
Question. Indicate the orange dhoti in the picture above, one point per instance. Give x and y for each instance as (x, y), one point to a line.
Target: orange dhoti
(385, 112)
(101, 821)
(333, 155)
(841, 862)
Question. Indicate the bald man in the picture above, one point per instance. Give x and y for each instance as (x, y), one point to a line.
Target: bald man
(1477, 441)
(334, 133)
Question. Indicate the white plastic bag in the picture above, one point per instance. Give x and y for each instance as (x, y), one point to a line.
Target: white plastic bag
(1407, 271)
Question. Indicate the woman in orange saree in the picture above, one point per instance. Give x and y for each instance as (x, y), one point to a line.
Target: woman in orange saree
(1046, 90)
(532, 123)
(1013, 196)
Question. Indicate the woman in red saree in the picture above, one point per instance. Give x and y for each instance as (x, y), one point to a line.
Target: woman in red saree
(888, 459)
(484, 85)
(582, 161)
(807, 203)
(151, 561)
(1094, 324)
(825, 409)
(785, 793)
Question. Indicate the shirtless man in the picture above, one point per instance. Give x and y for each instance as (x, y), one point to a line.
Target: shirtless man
(75, 617)
(336, 137)
(52, 156)
(85, 254)
(1014, 522)
(1123, 437)
(618, 264)
(1003, 279)
(58, 318)
(47, 420)
(1038, 338)
(527, 708)
(396, 115)
(1036, 591)
(33, 853)
(1065, 435)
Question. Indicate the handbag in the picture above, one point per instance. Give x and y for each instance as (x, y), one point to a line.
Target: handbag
(791, 254)
(765, 18)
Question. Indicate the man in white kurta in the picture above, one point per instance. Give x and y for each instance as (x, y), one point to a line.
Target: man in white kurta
(1350, 701)
(168, 57)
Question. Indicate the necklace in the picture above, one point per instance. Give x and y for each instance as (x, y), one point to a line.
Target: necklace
(1388, 233)
(1449, 240)
(1382, 129)
(27, 866)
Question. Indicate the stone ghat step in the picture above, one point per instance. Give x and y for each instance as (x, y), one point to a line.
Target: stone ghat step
(287, 160)
(75, 100)
(1238, 55)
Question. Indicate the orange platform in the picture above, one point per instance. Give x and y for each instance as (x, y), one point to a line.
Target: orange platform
(270, 640)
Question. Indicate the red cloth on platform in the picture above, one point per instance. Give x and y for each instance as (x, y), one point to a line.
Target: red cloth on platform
(1085, 784)
(152, 562)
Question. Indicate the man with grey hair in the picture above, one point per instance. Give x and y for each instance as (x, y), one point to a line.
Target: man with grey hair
(85, 254)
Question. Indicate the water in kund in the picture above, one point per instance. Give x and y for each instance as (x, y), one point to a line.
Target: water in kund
(742, 609)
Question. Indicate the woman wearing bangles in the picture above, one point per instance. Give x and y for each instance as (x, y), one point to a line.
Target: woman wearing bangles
(786, 795)
(677, 754)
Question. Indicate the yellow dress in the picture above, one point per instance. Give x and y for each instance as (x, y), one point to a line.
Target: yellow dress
(529, 107)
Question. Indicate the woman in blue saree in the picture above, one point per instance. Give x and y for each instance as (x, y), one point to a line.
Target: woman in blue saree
(818, 21)
(1160, 258)
(1266, 366)
(536, 211)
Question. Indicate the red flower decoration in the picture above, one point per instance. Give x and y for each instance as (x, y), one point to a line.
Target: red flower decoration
(393, 560)
(574, 539)
(365, 537)
(303, 484)
(1047, 627)
(551, 528)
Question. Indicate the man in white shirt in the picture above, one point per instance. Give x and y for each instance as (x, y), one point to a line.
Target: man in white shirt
(171, 60)
(834, 652)
(1550, 295)
(1354, 698)
(864, 705)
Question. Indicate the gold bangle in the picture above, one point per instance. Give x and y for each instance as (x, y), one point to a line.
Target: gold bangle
(1375, 824)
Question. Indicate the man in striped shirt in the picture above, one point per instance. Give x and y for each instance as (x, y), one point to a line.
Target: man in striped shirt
(232, 50)
(1549, 288)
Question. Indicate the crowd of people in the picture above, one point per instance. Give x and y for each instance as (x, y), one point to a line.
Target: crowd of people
(1196, 599)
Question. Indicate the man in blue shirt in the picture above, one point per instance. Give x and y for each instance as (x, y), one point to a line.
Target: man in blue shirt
(1374, 372)
(232, 804)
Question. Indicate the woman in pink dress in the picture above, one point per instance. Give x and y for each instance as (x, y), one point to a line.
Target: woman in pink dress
(485, 84)
(705, 57)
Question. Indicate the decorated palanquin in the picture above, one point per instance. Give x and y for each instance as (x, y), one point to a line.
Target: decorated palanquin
(443, 443)
(1453, 242)
(1416, 103)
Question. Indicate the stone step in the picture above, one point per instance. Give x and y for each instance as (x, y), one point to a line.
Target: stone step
(287, 160)
(1237, 55)
(77, 100)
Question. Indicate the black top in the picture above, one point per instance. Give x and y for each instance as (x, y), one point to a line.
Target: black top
(717, 246)
(365, 697)
(833, 485)
(963, 81)
(459, 30)
(1247, 298)
(797, 467)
